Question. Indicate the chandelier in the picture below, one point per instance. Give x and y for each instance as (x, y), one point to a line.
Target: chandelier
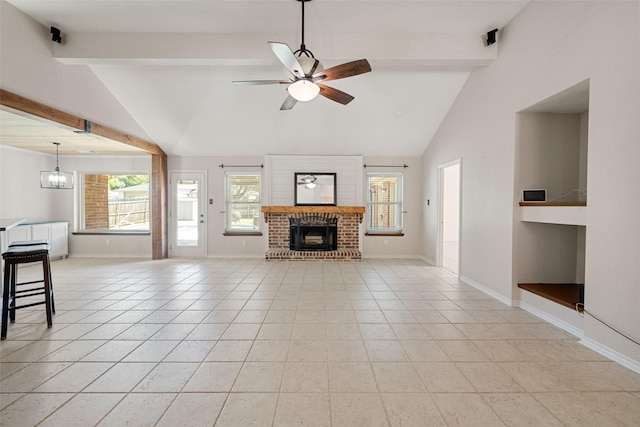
(56, 179)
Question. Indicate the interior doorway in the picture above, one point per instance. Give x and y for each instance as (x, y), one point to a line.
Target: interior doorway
(449, 232)
(187, 214)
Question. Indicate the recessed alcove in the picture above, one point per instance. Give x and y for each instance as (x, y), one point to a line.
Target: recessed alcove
(570, 295)
(549, 238)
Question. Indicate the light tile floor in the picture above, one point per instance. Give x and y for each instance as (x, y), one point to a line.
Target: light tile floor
(450, 251)
(248, 342)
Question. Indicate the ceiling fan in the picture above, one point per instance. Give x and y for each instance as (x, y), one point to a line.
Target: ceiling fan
(304, 74)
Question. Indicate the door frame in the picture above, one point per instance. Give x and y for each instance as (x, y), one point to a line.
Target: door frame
(441, 196)
(201, 250)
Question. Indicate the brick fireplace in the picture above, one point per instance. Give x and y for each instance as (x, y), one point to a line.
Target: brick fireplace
(349, 219)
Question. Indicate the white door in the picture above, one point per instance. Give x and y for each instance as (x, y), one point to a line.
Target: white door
(187, 219)
(449, 213)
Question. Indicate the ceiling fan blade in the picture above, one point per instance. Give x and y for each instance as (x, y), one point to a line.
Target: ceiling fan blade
(262, 82)
(347, 69)
(288, 59)
(288, 103)
(335, 94)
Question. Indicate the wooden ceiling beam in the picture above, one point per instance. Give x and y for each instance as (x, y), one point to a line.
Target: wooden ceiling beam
(36, 109)
(33, 108)
(105, 132)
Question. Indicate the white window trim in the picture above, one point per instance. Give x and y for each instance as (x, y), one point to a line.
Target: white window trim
(229, 230)
(78, 199)
(398, 205)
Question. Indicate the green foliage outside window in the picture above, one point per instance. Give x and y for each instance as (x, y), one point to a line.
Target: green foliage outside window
(123, 181)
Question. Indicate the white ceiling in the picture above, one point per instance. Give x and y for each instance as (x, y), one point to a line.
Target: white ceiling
(171, 64)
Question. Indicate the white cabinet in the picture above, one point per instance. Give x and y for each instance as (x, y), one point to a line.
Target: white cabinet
(56, 233)
(59, 239)
(18, 233)
(40, 232)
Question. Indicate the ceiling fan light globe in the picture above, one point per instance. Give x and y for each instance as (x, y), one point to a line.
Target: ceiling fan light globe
(303, 90)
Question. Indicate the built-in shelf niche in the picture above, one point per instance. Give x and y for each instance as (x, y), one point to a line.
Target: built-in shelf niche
(552, 145)
(551, 153)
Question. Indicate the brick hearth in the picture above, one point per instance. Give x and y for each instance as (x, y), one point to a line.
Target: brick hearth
(349, 219)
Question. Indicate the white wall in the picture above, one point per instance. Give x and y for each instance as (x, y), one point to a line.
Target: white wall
(28, 69)
(217, 243)
(278, 187)
(22, 197)
(111, 245)
(20, 192)
(410, 244)
(281, 170)
(548, 154)
(548, 47)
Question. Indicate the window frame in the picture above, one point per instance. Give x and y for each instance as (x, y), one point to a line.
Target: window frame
(79, 201)
(229, 230)
(397, 229)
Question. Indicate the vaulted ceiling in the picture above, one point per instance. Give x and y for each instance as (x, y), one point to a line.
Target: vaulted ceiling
(171, 63)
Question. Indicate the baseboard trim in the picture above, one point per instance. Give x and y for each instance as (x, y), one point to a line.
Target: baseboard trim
(428, 260)
(609, 353)
(238, 256)
(134, 256)
(573, 330)
(596, 346)
(493, 294)
(390, 256)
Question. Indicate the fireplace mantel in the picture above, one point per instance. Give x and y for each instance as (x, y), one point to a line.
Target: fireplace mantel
(266, 210)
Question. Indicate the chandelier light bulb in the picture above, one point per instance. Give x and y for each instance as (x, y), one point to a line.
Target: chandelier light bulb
(57, 180)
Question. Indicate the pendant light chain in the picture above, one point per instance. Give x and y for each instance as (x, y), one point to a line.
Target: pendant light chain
(57, 169)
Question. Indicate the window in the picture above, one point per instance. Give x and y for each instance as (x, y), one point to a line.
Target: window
(384, 203)
(114, 203)
(242, 202)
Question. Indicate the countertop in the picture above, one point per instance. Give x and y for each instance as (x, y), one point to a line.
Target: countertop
(6, 223)
(10, 222)
(31, 221)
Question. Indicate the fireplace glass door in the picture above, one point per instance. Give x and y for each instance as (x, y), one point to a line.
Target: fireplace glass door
(312, 234)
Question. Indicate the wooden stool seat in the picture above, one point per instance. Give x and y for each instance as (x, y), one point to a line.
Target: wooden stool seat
(13, 257)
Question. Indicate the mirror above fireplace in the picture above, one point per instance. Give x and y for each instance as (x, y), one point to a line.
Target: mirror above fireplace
(315, 189)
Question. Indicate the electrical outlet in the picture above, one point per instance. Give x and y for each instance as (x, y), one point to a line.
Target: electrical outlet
(385, 243)
(107, 242)
(244, 243)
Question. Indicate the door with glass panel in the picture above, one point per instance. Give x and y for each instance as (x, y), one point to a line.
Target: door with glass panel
(187, 214)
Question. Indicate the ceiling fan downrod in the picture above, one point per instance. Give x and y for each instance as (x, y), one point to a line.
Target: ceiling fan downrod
(303, 49)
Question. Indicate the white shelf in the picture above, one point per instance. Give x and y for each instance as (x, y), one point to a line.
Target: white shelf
(565, 215)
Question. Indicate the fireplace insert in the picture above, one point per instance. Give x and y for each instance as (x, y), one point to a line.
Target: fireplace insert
(313, 233)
